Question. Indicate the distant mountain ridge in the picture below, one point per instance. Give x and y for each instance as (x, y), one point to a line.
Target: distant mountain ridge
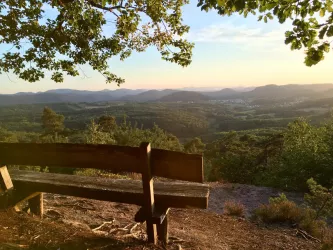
(270, 91)
(184, 96)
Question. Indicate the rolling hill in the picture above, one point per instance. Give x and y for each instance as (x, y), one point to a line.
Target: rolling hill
(184, 96)
(147, 96)
(267, 92)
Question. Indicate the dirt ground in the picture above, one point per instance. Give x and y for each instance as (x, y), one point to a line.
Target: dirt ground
(75, 223)
(248, 195)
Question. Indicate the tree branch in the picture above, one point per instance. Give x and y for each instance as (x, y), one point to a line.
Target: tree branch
(99, 6)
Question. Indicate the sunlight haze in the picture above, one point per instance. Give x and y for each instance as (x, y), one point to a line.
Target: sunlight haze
(229, 52)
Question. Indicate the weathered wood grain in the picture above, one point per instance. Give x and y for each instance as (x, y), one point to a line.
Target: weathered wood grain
(158, 215)
(163, 230)
(111, 157)
(177, 165)
(148, 191)
(167, 194)
(5, 180)
(36, 205)
(168, 164)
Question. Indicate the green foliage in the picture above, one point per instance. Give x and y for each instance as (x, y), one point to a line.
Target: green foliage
(76, 35)
(94, 135)
(281, 210)
(235, 158)
(280, 157)
(277, 200)
(7, 136)
(107, 123)
(52, 122)
(306, 153)
(98, 173)
(320, 199)
(126, 134)
(194, 146)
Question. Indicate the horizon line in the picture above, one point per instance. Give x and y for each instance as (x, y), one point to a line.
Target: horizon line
(161, 89)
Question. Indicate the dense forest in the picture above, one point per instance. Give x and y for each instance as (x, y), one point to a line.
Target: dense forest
(279, 145)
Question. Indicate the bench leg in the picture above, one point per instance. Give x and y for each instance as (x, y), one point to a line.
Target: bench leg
(148, 191)
(162, 230)
(6, 187)
(36, 205)
(151, 231)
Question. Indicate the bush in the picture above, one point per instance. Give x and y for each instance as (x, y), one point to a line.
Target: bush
(99, 173)
(311, 225)
(281, 210)
(234, 208)
(320, 199)
(328, 240)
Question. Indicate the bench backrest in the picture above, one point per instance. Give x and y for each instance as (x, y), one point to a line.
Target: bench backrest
(163, 163)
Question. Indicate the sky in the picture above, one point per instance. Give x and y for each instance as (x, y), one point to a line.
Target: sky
(229, 52)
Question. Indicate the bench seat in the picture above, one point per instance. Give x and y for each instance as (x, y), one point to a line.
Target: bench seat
(167, 194)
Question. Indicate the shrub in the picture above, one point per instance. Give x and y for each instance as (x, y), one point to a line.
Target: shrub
(276, 200)
(328, 240)
(320, 199)
(281, 210)
(311, 225)
(99, 173)
(234, 208)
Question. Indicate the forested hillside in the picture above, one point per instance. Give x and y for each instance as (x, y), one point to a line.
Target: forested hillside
(268, 144)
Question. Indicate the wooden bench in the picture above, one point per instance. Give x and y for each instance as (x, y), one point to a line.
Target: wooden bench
(155, 198)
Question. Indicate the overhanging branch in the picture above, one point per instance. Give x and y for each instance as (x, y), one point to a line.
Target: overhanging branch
(99, 6)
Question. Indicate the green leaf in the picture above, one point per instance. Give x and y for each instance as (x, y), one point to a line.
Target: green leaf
(271, 6)
(322, 32)
(265, 19)
(330, 31)
(221, 2)
(322, 12)
(276, 9)
(329, 4)
(326, 47)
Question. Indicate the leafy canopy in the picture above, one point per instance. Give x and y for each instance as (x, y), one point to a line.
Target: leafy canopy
(81, 33)
(78, 32)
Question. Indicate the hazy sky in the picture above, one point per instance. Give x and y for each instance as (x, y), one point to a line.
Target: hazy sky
(229, 52)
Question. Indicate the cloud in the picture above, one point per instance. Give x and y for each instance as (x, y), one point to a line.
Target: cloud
(238, 35)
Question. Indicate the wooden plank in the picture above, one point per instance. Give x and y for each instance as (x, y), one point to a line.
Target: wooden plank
(20, 196)
(167, 194)
(5, 180)
(36, 205)
(148, 191)
(177, 165)
(158, 215)
(168, 164)
(117, 158)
